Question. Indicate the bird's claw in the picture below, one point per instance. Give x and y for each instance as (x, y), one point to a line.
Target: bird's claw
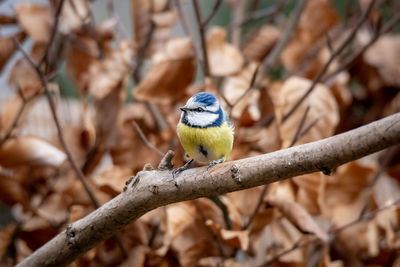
(215, 162)
(177, 171)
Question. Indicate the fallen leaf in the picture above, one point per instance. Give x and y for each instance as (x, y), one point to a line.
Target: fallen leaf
(297, 215)
(383, 55)
(235, 88)
(311, 27)
(55, 208)
(323, 108)
(224, 59)
(113, 179)
(111, 73)
(238, 239)
(36, 19)
(6, 236)
(5, 19)
(343, 195)
(30, 150)
(309, 192)
(171, 73)
(74, 15)
(30, 83)
(13, 192)
(8, 47)
(260, 43)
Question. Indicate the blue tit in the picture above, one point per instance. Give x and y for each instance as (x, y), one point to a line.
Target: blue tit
(205, 131)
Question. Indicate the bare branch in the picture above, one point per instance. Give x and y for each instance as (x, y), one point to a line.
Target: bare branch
(140, 196)
(251, 85)
(45, 57)
(300, 127)
(189, 32)
(18, 116)
(199, 19)
(145, 140)
(273, 56)
(330, 60)
(349, 61)
(262, 14)
(214, 10)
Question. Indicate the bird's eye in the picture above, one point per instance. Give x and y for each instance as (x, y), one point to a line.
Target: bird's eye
(200, 109)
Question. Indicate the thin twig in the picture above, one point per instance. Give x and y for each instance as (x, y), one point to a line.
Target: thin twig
(214, 10)
(273, 56)
(214, 236)
(52, 106)
(299, 133)
(330, 60)
(70, 158)
(366, 216)
(45, 57)
(300, 127)
(251, 85)
(257, 208)
(310, 125)
(262, 14)
(199, 19)
(349, 61)
(18, 116)
(188, 31)
(145, 140)
(113, 14)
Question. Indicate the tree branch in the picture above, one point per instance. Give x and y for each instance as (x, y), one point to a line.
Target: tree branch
(151, 189)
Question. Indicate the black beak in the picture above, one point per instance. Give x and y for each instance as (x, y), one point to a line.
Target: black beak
(184, 109)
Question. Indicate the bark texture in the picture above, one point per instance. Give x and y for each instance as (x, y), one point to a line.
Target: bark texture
(154, 188)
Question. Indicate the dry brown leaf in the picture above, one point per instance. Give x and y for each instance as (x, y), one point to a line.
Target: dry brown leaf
(152, 17)
(6, 236)
(55, 208)
(36, 231)
(189, 236)
(9, 112)
(312, 26)
(172, 71)
(5, 19)
(224, 59)
(310, 190)
(137, 257)
(30, 150)
(13, 192)
(163, 22)
(234, 89)
(30, 83)
(323, 108)
(260, 43)
(81, 52)
(141, 14)
(75, 14)
(8, 47)
(384, 56)
(36, 20)
(283, 235)
(297, 215)
(77, 212)
(113, 180)
(344, 195)
(238, 239)
(111, 73)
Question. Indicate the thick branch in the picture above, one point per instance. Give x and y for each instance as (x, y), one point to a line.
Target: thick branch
(152, 189)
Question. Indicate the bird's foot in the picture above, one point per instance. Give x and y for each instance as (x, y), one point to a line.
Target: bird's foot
(177, 171)
(215, 162)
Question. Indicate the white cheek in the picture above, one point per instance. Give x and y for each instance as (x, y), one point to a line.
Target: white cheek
(201, 119)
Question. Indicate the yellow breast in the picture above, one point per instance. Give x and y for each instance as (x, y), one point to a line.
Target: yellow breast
(206, 144)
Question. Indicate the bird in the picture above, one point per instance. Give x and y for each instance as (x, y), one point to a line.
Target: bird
(205, 131)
